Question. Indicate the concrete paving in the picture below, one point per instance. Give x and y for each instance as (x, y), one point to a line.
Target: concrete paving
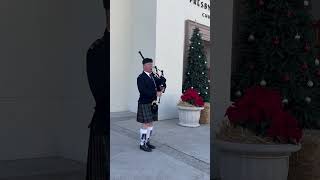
(181, 153)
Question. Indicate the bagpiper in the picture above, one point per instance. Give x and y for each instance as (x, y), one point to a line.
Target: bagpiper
(150, 91)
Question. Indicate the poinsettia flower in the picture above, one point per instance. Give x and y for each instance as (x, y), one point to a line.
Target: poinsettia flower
(192, 96)
(284, 125)
(263, 105)
(255, 114)
(278, 125)
(235, 115)
(293, 129)
(199, 101)
(270, 102)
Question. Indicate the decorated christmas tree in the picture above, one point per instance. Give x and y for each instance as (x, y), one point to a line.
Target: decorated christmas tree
(277, 51)
(196, 73)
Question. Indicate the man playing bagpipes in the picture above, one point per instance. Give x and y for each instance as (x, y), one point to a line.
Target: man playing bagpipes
(151, 86)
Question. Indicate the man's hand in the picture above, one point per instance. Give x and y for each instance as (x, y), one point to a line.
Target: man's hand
(159, 93)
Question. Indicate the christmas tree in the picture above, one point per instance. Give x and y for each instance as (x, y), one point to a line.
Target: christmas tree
(196, 73)
(277, 51)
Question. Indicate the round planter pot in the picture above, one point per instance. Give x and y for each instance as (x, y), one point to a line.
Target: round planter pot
(189, 116)
(254, 161)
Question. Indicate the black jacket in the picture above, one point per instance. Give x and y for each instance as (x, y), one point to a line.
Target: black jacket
(147, 88)
(97, 72)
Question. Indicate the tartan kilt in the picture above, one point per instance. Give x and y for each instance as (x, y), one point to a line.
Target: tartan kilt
(145, 115)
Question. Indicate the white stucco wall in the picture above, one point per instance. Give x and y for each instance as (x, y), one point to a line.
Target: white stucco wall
(144, 40)
(133, 29)
(171, 17)
(121, 53)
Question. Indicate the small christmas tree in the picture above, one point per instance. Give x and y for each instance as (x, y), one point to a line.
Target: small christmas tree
(196, 74)
(277, 51)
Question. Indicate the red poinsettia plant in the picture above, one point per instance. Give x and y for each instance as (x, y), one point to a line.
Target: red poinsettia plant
(192, 97)
(261, 110)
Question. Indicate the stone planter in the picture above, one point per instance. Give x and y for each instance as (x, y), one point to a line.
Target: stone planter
(254, 161)
(189, 116)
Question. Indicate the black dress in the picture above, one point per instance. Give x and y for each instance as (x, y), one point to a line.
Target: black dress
(98, 77)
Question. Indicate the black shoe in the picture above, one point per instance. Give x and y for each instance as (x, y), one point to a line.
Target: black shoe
(150, 145)
(145, 148)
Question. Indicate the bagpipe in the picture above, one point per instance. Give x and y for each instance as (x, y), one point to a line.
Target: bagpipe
(160, 81)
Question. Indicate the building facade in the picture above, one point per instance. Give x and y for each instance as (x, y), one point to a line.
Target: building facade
(161, 30)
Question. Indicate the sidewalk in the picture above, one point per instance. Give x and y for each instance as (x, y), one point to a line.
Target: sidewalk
(182, 153)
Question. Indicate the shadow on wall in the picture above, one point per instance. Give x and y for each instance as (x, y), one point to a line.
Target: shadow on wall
(45, 103)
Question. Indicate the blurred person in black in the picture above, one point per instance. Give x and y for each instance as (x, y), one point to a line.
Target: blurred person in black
(97, 71)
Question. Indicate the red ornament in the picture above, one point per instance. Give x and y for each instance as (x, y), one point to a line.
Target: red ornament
(286, 77)
(304, 66)
(316, 24)
(276, 41)
(306, 47)
(251, 66)
(260, 2)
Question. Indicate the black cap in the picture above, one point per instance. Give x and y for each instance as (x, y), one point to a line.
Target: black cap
(147, 60)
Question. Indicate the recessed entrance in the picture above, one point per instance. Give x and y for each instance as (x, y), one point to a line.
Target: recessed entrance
(205, 32)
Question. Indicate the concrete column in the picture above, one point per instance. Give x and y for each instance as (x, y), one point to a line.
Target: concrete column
(120, 53)
(221, 57)
(144, 40)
